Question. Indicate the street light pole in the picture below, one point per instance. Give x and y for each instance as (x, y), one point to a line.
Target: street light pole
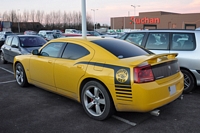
(94, 16)
(84, 25)
(18, 20)
(134, 13)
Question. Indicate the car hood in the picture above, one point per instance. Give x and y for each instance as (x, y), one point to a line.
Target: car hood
(30, 49)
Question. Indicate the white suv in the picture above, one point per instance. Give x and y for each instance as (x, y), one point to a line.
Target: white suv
(46, 34)
(184, 42)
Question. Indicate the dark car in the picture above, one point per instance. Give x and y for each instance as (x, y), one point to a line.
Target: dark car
(19, 45)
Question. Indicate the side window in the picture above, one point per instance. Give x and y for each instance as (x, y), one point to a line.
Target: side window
(8, 40)
(135, 38)
(52, 49)
(15, 41)
(183, 41)
(74, 51)
(158, 41)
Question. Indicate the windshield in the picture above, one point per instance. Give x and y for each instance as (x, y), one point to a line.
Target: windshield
(32, 41)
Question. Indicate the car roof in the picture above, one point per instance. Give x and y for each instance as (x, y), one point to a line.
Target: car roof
(25, 35)
(80, 38)
(164, 30)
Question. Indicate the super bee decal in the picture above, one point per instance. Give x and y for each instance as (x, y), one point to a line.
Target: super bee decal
(121, 74)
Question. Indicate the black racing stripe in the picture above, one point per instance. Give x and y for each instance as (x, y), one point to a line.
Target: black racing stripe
(115, 68)
(123, 90)
(123, 93)
(120, 86)
(119, 96)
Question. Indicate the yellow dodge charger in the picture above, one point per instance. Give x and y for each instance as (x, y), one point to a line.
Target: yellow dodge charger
(103, 74)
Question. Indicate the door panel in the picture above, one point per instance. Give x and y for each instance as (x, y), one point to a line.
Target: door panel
(68, 69)
(41, 69)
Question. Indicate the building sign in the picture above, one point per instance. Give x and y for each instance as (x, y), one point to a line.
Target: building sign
(144, 20)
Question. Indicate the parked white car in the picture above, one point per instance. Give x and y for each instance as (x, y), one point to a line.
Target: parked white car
(184, 42)
(47, 34)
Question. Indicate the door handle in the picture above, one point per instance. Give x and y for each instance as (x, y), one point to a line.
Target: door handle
(80, 66)
(49, 61)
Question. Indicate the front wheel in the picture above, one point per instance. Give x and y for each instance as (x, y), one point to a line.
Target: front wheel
(96, 101)
(20, 75)
(189, 81)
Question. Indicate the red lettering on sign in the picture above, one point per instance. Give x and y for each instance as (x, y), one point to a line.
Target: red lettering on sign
(144, 20)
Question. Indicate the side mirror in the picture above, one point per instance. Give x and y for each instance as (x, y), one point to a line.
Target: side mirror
(14, 46)
(35, 52)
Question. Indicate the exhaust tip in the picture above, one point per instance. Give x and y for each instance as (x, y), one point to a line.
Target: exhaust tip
(155, 112)
(181, 97)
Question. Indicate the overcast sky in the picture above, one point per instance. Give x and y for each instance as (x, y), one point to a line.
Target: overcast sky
(106, 8)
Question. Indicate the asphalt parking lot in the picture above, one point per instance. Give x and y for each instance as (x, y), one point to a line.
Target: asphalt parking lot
(34, 110)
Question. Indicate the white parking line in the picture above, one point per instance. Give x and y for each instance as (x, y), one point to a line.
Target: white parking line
(124, 120)
(116, 117)
(7, 82)
(6, 70)
(9, 72)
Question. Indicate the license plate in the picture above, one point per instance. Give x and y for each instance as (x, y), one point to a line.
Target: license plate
(172, 89)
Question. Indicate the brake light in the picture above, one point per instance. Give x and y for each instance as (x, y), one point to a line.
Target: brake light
(143, 74)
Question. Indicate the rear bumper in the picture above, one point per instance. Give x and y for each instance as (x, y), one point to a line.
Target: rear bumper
(152, 95)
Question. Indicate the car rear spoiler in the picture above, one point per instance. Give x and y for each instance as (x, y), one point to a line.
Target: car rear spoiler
(154, 59)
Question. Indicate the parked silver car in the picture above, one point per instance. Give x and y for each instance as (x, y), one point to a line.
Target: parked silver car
(19, 45)
(184, 42)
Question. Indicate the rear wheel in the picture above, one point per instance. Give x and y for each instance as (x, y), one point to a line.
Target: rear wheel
(3, 59)
(96, 101)
(20, 75)
(189, 81)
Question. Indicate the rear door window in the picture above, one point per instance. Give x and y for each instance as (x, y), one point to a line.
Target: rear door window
(74, 51)
(183, 41)
(157, 41)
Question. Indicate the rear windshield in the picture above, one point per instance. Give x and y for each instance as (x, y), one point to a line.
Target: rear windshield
(121, 48)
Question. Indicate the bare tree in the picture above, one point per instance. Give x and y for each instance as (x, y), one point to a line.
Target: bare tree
(32, 15)
(39, 16)
(25, 16)
(55, 19)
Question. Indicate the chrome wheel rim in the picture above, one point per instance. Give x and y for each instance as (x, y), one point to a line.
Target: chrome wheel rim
(187, 81)
(19, 74)
(94, 101)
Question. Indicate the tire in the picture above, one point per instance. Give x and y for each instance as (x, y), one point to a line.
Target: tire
(189, 81)
(20, 75)
(3, 61)
(96, 101)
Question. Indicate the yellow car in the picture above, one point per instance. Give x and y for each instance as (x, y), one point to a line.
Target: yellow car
(104, 74)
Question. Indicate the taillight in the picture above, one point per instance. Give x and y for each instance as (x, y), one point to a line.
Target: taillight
(143, 74)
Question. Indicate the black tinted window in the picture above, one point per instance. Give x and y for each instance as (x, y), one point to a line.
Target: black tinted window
(73, 51)
(121, 49)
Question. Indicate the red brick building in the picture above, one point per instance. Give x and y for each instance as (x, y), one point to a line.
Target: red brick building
(157, 20)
